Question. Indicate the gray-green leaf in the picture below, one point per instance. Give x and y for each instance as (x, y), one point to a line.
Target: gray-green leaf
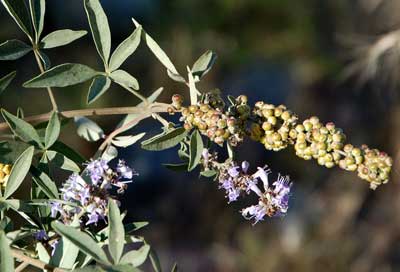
(52, 130)
(88, 129)
(19, 11)
(100, 29)
(110, 153)
(125, 79)
(6, 80)
(45, 59)
(61, 161)
(61, 37)
(81, 240)
(125, 49)
(136, 257)
(42, 252)
(204, 64)
(196, 148)
(22, 129)
(99, 86)
(19, 171)
(45, 183)
(38, 9)
(63, 75)
(165, 140)
(6, 259)
(13, 50)
(116, 236)
(125, 141)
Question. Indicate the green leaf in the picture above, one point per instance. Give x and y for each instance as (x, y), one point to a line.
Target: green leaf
(19, 11)
(175, 268)
(42, 252)
(61, 161)
(177, 167)
(68, 152)
(45, 60)
(110, 153)
(44, 182)
(10, 150)
(100, 30)
(132, 116)
(61, 37)
(6, 80)
(157, 51)
(88, 130)
(204, 64)
(125, 79)
(13, 50)
(63, 75)
(66, 252)
(125, 141)
(38, 9)
(196, 148)
(165, 140)
(176, 77)
(136, 257)
(22, 129)
(52, 130)
(6, 259)
(131, 227)
(116, 236)
(82, 240)
(99, 86)
(19, 171)
(125, 49)
(208, 173)
(155, 261)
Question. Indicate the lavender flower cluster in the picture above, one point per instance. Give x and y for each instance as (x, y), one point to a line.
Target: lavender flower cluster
(273, 201)
(89, 194)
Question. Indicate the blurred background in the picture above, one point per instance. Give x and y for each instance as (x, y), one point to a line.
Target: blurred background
(335, 59)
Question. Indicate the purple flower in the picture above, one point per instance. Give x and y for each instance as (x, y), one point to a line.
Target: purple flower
(41, 235)
(93, 218)
(125, 171)
(256, 212)
(281, 194)
(54, 246)
(262, 174)
(97, 169)
(233, 171)
(245, 166)
(233, 194)
(55, 208)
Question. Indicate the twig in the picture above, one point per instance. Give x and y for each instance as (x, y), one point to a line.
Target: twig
(21, 267)
(18, 254)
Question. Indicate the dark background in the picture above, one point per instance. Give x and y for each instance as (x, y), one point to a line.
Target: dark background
(327, 58)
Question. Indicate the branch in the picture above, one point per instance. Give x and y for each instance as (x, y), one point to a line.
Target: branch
(18, 254)
(35, 119)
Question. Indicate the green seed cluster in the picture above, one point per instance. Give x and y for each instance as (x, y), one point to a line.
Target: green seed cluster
(217, 125)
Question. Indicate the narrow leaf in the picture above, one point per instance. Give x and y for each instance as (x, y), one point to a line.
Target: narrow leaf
(38, 9)
(13, 50)
(99, 86)
(68, 152)
(100, 29)
(61, 37)
(52, 130)
(22, 129)
(204, 64)
(6, 259)
(88, 129)
(196, 148)
(6, 80)
(136, 257)
(81, 240)
(42, 252)
(116, 236)
(125, 141)
(155, 261)
(19, 171)
(125, 79)
(61, 76)
(61, 161)
(44, 182)
(125, 49)
(19, 11)
(175, 268)
(165, 140)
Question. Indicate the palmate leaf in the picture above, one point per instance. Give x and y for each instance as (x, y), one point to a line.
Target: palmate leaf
(6, 80)
(125, 79)
(13, 50)
(125, 49)
(22, 129)
(61, 37)
(82, 240)
(165, 140)
(19, 171)
(100, 29)
(99, 86)
(19, 12)
(10, 150)
(116, 235)
(38, 9)
(196, 148)
(63, 75)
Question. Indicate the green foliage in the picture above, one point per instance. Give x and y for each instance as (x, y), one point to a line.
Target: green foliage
(19, 12)
(165, 140)
(44, 182)
(13, 50)
(124, 79)
(99, 86)
(52, 130)
(203, 65)
(125, 141)
(66, 251)
(62, 75)
(6, 80)
(61, 37)
(88, 129)
(61, 161)
(196, 148)
(38, 8)
(116, 232)
(6, 259)
(136, 257)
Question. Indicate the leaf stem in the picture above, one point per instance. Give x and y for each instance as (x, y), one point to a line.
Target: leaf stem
(41, 68)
